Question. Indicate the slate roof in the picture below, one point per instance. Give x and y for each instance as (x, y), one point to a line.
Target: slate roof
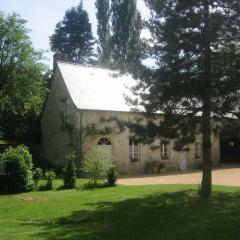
(96, 88)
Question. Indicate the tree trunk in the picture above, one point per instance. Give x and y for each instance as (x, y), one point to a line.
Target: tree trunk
(206, 185)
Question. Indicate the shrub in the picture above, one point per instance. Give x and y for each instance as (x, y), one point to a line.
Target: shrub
(3, 183)
(16, 169)
(112, 176)
(50, 176)
(96, 164)
(70, 172)
(37, 175)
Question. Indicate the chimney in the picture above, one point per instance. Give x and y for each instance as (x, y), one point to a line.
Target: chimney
(57, 57)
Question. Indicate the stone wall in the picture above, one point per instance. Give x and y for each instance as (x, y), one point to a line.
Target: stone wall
(120, 143)
(57, 130)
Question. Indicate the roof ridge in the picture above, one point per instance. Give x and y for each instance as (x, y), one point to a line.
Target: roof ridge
(86, 65)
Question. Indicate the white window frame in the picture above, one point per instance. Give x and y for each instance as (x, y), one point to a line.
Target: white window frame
(197, 150)
(104, 141)
(133, 150)
(164, 151)
(63, 113)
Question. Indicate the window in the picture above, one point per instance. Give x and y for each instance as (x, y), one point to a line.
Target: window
(63, 113)
(133, 150)
(164, 150)
(104, 141)
(106, 147)
(197, 149)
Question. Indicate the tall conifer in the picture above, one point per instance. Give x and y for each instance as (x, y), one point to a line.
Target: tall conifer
(103, 30)
(196, 82)
(126, 30)
(73, 36)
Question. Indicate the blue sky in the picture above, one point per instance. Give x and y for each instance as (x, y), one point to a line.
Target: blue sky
(43, 15)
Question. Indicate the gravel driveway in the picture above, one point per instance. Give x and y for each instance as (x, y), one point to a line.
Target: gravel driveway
(221, 176)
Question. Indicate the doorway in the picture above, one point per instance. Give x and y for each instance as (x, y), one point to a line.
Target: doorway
(230, 150)
(183, 160)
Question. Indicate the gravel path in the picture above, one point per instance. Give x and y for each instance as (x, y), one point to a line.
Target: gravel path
(226, 176)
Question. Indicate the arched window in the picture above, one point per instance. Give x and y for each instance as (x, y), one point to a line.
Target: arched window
(104, 141)
(105, 145)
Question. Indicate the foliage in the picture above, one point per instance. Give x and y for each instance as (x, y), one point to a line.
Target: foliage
(73, 36)
(22, 87)
(103, 31)
(120, 48)
(96, 164)
(37, 175)
(112, 176)
(126, 29)
(16, 167)
(196, 48)
(3, 183)
(70, 171)
(49, 176)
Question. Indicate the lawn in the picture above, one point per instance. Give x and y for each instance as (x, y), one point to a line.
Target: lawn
(121, 213)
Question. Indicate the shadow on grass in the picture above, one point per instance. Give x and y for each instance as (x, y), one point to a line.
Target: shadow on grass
(167, 216)
(91, 186)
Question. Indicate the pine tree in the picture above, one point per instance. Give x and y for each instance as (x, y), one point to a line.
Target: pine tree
(73, 36)
(103, 30)
(126, 30)
(196, 82)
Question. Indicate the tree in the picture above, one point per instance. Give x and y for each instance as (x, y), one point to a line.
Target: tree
(70, 171)
(97, 164)
(50, 175)
(103, 30)
(73, 36)
(22, 88)
(37, 176)
(126, 30)
(16, 167)
(196, 83)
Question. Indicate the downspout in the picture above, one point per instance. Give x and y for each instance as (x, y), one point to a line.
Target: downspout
(80, 154)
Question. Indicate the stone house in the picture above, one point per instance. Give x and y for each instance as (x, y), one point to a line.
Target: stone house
(80, 98)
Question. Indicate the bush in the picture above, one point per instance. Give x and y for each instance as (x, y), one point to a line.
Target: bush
(112, 176)
(97, 164)
(70, 172)
(50, 176)
(3, 183)
(16, 169)
(37, 175)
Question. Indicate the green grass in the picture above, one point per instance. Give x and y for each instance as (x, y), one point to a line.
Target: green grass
(122, 213)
